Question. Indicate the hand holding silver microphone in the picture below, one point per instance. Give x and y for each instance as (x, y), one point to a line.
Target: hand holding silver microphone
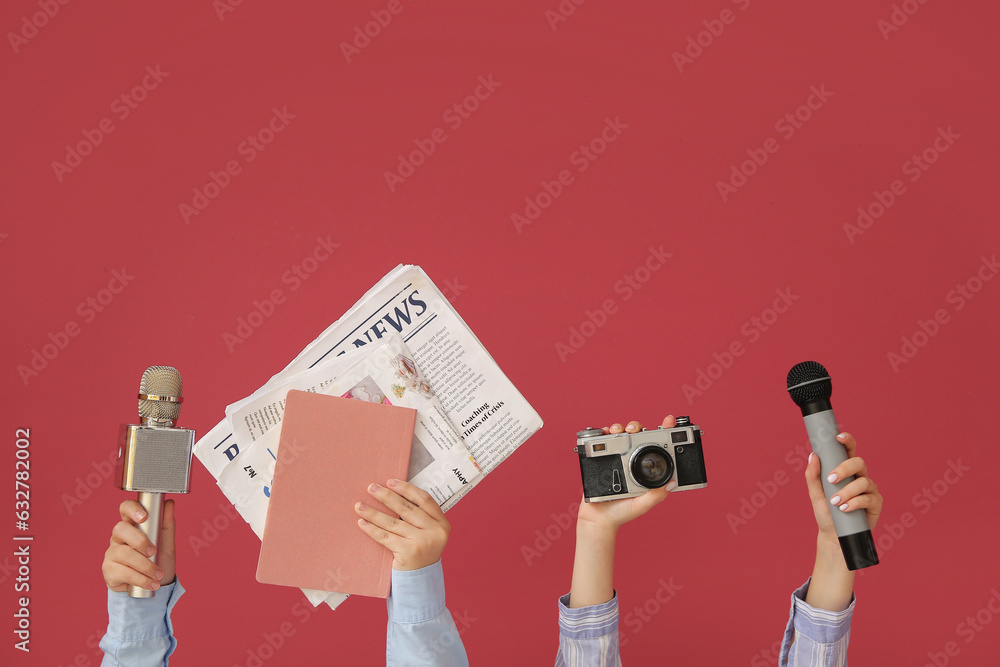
(127, 562)
(154, 457)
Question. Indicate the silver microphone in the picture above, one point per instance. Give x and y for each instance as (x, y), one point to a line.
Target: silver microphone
(154, 457)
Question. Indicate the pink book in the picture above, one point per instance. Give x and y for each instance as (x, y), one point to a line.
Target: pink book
(330, 450)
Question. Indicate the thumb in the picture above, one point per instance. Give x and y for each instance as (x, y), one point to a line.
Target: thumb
(820, 505)
(813, 482)
(649, 500)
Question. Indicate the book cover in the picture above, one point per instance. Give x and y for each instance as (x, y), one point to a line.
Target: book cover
(330, 450)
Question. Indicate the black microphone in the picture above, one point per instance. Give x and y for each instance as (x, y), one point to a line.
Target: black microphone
(154, 457)
(810, 387)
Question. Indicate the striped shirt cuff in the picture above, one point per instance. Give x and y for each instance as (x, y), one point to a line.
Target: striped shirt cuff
(417, 596)
(820, 625)
(593, 622)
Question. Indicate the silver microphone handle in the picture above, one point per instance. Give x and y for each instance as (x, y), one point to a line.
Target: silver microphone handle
(153, 504)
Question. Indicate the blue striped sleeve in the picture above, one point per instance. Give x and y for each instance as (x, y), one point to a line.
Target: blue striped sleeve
(588, 637)
(815, 637)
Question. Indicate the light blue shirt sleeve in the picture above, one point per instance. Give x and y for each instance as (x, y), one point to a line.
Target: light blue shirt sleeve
(815, 637)
(421, 631)
(140, 633)
(588, 636)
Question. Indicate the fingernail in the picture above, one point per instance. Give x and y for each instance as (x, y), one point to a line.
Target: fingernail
(843, 508)
(835, 500)
(374, 488)
(842, 436)
(671, 485)
(159, 574)
(832, 477)
(150, 551)
(809, 462)
(154, 585)
(139, 516)
(362, 507)
(363, 522)
(393, 482)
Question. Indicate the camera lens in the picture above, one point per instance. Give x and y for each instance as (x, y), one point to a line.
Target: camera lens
(652, 467)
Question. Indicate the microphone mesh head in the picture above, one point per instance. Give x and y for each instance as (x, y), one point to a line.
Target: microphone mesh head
(163, 381)
(806, 372)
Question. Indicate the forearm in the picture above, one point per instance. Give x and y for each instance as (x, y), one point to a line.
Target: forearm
(832, 583)
(593, 565)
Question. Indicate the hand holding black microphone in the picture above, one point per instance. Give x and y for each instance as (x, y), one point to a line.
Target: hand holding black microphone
(810, 387)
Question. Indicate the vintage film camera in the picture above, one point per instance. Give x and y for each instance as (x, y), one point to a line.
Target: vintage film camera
(625, 465)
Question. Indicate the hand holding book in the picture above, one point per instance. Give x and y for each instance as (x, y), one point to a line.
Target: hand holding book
(418, 537)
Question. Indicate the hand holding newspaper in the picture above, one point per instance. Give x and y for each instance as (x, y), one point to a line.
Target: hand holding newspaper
(486, 410)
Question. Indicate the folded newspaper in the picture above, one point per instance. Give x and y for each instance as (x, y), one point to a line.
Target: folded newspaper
(402, 343)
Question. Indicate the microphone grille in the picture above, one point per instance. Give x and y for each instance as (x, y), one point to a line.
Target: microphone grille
(162, 381)
(817, 377)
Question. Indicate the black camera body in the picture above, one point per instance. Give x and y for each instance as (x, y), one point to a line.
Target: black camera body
(625, 465)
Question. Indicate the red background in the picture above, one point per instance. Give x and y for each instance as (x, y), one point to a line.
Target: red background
(521, 290)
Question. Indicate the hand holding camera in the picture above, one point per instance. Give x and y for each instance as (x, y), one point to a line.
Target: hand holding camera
(598, 522)
(613, 515)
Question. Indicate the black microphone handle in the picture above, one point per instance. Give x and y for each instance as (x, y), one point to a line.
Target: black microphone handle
(856, 539)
